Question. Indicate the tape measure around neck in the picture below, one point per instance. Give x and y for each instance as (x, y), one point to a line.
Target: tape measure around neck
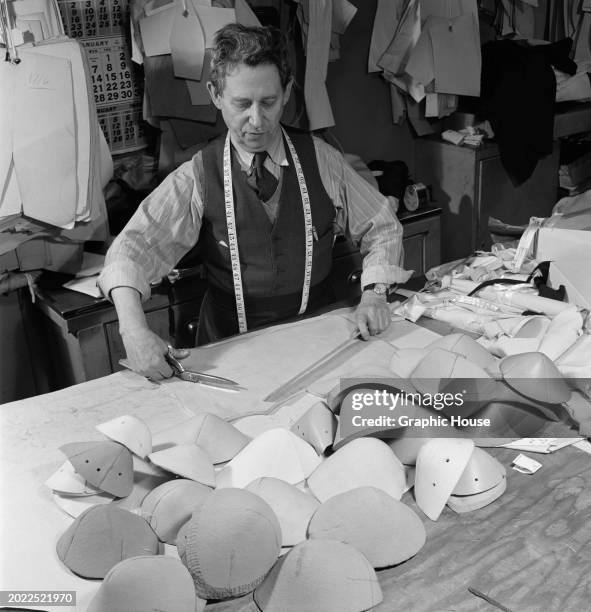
(233, 235)
(309, 229)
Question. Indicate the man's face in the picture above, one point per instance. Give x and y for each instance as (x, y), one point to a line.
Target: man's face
(252, 103)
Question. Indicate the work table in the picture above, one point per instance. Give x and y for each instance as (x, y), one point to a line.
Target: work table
(528, 550)
(76, 337)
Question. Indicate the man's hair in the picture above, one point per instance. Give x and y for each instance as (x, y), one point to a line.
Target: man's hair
(238, 44)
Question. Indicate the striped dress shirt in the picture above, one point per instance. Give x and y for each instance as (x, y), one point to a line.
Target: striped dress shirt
(167, 223)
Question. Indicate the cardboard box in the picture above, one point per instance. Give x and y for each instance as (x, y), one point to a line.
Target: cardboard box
(556, 244)
(573, 274)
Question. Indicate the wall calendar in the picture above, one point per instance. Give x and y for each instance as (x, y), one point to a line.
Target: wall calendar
(102, 26)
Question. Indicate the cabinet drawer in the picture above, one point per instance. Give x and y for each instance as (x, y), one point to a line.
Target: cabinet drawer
(422, 245)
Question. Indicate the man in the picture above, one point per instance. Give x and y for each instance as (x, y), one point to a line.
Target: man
(262, 202)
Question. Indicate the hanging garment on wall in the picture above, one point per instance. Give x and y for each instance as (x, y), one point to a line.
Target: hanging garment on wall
(435, 47)
(395, 58)
(420, 65)
(561, 18)
(317, 50)
(342, 14)
(388, 14)
(571, 16)
(518, 94)
(518, 19)
(583, 38)
(450, 38)
(294, 112)
(321, 23)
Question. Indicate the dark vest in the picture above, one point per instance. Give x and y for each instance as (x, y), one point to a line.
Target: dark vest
(272, 256)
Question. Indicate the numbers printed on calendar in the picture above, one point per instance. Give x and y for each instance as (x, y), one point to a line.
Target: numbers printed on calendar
(94, 18)
(122, 128)
(100, 25)
(110, 72)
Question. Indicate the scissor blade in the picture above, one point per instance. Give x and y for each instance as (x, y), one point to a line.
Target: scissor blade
(211, 380)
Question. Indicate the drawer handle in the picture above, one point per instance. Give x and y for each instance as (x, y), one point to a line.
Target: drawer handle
(354, 278)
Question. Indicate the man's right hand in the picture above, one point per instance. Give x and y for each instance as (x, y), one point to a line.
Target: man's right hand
(145, 350)
(146, 353)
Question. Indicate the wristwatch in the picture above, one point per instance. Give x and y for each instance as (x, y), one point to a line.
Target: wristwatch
(377, 288)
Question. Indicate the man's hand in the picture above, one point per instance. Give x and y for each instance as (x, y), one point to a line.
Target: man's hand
(146, 352)
(372, 315)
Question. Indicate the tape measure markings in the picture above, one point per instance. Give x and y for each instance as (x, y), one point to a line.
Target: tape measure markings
(233, 237)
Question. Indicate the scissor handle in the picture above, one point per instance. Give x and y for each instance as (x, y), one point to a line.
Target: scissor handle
(174, 363)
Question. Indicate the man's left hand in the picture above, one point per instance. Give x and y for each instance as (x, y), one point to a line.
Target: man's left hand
(372, 315)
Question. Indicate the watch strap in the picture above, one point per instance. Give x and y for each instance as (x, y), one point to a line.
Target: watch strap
(377, 288)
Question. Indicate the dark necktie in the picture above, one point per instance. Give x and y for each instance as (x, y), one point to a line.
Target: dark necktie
(260, 179)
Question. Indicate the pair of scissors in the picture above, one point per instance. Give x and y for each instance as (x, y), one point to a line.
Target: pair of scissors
(199, 377)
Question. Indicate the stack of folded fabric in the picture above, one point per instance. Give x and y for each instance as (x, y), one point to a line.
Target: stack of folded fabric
(54, 161)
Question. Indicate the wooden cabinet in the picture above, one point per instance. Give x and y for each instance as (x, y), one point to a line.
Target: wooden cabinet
(77, 337)
(421, 240)
(16, 373)
(469, 185)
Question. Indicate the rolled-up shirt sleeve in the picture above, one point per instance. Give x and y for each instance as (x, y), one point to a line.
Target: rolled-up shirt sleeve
(165, 227)
(365, 215)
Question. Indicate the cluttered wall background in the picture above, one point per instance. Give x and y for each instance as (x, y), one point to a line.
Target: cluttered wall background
(373, 77)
